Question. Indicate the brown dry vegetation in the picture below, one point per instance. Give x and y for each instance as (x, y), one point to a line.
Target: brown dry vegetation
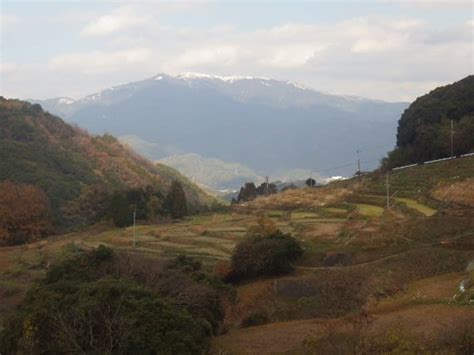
(458, 192)
(295, 199)
(409, 330)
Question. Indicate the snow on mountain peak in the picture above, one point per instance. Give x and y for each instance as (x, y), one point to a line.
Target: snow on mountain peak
(298, 85)
(230, 78)
(65, 100)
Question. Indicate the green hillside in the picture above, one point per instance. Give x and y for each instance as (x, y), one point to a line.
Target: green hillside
(77, 171)
(424, 130)
(213, 173)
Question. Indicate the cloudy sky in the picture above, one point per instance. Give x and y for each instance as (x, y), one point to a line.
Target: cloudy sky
(390, 50)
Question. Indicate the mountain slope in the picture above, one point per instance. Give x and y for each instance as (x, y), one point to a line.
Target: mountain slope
(213, 173)
(424, 130)
(268, 125)
(77, 171)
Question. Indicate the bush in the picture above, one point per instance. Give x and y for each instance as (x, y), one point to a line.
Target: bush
(102, 316)
(264, 256)
(100, 302)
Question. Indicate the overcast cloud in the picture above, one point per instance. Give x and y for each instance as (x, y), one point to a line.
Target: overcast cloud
(380, 53)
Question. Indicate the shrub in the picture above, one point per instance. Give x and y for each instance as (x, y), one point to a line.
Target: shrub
(100, 302)
(102, 316)
(264, 256)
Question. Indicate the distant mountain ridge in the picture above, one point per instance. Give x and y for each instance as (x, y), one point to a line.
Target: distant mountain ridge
(271, 126)
(242, 88)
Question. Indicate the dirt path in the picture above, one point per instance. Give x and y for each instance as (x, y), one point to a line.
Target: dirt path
(365, 263)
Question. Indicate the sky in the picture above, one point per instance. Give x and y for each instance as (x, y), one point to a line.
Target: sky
(388, 50)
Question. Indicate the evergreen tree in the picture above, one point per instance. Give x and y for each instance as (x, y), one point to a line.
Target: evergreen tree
(247, 192)
(121, 211)
(175, 202)
(311, 182)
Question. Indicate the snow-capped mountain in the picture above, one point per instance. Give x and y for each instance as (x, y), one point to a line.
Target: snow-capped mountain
(246, 89)
(266, 124)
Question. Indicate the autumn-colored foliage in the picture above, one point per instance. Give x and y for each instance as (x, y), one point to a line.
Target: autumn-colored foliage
(264, 227)
(78, 172)
(24, 213)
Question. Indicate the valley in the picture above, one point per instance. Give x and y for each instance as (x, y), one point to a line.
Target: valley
(237, 177)
(241, 118)
(377, 278)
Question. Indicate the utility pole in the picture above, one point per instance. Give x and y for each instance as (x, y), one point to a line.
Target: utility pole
(388, 192)
(134, 234)
(266, 185)
(358, 165)
(452, 139)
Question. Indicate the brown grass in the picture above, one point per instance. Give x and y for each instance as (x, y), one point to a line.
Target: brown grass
(428, 325)
(296, 198)
(459, 192)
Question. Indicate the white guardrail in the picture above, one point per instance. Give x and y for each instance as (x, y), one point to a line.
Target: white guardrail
(433, 161)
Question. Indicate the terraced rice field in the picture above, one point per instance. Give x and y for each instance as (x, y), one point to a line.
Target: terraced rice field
(369, 210)
(427, 211)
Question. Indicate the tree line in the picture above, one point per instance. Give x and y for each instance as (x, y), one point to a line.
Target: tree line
(26, 214)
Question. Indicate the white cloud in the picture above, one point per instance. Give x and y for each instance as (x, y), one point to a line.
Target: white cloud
(386, 57)
(120, 19)
(220, 56)
(8, 20)
(292, 56)
(100, 61)
(372, 45)
(8, 67)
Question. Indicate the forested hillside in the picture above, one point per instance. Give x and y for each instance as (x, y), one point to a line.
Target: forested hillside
(424, 130)
(72, 175)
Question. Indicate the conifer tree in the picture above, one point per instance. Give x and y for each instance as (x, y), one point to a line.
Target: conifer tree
(175, 202)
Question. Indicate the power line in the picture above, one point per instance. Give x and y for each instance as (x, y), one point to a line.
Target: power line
(452, 139)
(134, 232)
(345, 165)
(358, 164)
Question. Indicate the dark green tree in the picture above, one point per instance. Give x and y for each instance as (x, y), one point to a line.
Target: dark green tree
(267, 189)
(264, 256)
(120, 210)
(424, 129)
(311, 182)
(175, 202)
(107, 302)
(247, 192)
